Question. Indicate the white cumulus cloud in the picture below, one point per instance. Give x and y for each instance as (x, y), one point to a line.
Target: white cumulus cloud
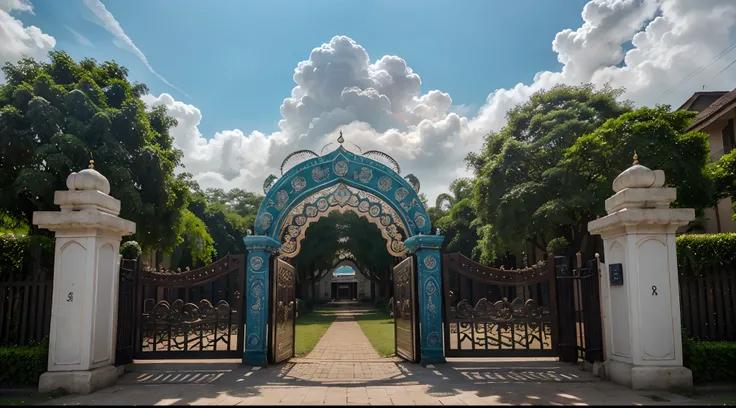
(16, 40)
(646, 46)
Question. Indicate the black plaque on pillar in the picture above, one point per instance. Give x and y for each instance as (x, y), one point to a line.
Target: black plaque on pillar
(616, 272)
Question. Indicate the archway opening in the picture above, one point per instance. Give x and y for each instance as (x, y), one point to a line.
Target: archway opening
(343, 256)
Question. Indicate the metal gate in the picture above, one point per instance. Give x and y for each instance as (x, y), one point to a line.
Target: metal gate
(283, 309)
(581, 326)
(404, 309)
(192, 313)
(126, 328)
(492, 312)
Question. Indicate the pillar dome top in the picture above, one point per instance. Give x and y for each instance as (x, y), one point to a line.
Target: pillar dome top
(88, 179)
(638, 176)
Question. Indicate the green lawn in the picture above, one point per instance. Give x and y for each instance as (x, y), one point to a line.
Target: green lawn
(379, 328)
(310, 328)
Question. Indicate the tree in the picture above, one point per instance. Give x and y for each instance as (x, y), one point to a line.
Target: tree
(349, 232)
(220, 212)
(55, 117)
(514, 192)
(458, 216)
(241, 202)
(723, 173)
(661, 141)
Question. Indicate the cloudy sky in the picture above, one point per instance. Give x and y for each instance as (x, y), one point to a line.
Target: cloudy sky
(249, 82)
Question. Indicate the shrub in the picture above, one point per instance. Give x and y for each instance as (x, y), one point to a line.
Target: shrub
(710, 361)
(557, 246)
(23, 365)
(131, 250)
(698, 252)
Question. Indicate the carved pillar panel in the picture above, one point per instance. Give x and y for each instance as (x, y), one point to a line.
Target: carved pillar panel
(260, 249)
(427, 250)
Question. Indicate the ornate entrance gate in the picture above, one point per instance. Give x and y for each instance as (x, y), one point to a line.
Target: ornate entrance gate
(310, 187)
(498, 313)
(192, 313)
(283, 315)
(404, 309)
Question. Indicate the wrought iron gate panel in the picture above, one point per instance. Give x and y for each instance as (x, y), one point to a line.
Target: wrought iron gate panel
(192, 313)
(283, 309)
(494, 312)
(404, 309)
(581, 326)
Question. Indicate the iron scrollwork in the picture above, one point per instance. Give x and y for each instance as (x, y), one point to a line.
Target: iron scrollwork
(517, 327)
(209, 322)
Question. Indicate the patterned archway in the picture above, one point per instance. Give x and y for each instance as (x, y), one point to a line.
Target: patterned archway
(341, 181)
(312, 186)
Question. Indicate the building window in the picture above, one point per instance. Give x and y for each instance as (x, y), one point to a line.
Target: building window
(728, 137)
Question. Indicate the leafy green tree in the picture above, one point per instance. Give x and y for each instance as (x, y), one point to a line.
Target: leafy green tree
(56, 116)
(218, 210)
(723, 173)
(661, 141)
(349, 232)
(514, 191)
(241, 202)
(458, 218)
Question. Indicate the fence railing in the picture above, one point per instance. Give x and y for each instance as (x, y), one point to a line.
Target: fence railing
(708, 304)
(25, 304)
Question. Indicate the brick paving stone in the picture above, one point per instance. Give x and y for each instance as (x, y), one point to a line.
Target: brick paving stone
(343, 369)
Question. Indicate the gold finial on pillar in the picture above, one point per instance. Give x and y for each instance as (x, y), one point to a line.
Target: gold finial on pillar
(636, 158)
(91, 164)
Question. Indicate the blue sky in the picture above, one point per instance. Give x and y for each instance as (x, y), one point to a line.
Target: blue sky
(231, 65)
(236, 59)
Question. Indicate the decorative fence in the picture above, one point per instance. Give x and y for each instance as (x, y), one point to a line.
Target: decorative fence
(708, 304)
(25, 304)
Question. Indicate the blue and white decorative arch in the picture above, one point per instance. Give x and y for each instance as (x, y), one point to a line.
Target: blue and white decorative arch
(341, 181)
(338, 181)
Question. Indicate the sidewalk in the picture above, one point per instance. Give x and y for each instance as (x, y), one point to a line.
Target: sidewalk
(344, 369)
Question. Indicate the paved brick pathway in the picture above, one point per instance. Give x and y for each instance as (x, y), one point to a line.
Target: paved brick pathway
(344, 341)
(343, 355)
(343, 369)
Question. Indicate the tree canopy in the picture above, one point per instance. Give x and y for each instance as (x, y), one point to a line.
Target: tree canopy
(350, 233)
(516, 194)
(56, 116)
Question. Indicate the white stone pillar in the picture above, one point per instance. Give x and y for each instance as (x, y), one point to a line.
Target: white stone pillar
(85, 291)
(641, 314)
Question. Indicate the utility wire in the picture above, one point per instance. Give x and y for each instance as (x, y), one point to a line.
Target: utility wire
(724, 69)
(701, 69)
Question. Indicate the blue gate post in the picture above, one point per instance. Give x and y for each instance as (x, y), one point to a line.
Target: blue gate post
(260, 249)
(427, 250)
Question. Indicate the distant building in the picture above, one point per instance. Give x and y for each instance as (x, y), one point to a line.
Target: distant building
(342, 285)
(716, 115)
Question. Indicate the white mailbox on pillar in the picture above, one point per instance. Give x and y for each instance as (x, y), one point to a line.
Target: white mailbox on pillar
(639, 288)
(85, 291)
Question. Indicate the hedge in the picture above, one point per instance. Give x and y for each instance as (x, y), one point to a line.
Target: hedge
(696, 253)
(710, 361)
(23, 365)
